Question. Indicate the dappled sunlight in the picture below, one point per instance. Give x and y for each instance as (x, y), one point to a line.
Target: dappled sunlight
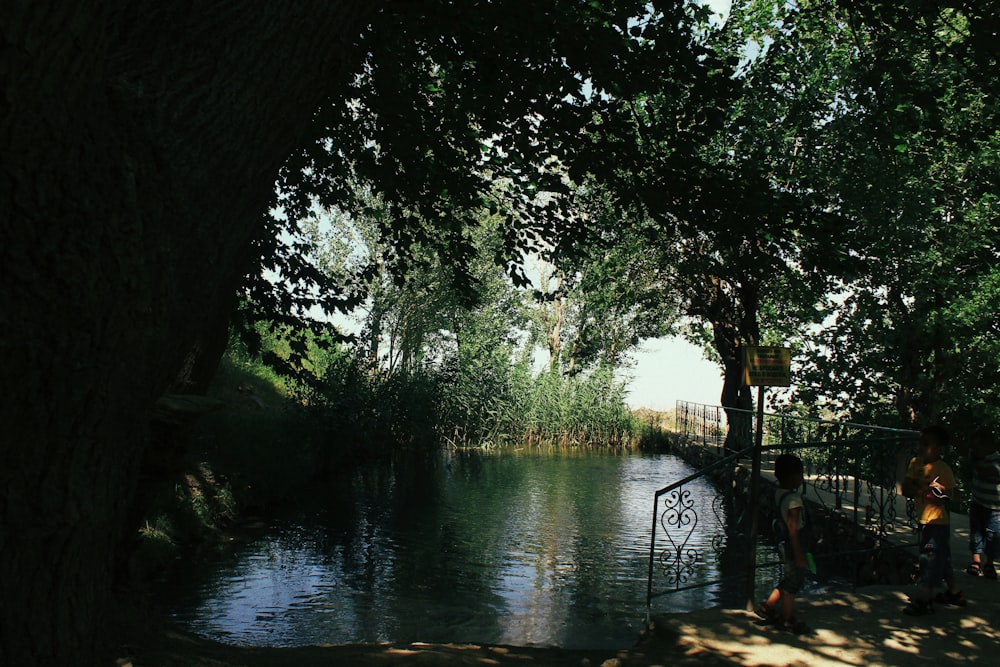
(849, 629)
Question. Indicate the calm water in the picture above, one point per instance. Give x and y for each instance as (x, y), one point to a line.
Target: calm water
(529, 549)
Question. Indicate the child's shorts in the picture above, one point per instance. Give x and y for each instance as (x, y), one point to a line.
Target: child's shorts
(793, 579)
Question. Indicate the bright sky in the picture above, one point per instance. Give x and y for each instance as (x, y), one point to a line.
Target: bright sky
(668, 370)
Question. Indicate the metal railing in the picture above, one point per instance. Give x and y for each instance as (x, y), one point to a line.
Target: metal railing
(679, 520)
(851, 471)
(701, 424)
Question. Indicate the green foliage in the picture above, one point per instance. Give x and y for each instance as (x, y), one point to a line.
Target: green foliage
(480, 397)
(361, 413)
(198, 506)
(809, 173)
(910, 154)
(584, 409)
(482, 394)
(614, 290)
(454, 109)
(157, 547)
(257, 442)
(501, 406)
(205, 503)
(434, 361)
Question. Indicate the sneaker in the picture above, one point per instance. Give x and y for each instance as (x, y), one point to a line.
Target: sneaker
(918, 608)
(766, 612)
(949, 598)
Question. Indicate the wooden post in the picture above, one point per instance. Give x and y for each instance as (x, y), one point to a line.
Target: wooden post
(755, 500)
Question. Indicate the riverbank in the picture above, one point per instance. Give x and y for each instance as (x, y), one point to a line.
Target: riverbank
(864, 627)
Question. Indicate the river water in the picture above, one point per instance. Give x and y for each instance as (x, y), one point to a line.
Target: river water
(523, 549)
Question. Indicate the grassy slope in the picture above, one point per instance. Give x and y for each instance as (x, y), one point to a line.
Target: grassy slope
(258, 441)
(246, 458)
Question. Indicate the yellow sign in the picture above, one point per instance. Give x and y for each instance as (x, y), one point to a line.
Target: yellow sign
(767, 366)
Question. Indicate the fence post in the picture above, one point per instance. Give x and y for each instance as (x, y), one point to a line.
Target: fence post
(755, 500)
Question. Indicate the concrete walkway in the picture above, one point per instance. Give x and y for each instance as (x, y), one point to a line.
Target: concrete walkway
(865, 626)
(857, 629)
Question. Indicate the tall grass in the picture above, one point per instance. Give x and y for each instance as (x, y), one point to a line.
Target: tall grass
(281, 431)
(357, 412)
(279, 434)
(578, 410)
(480, 396)
(501, 405)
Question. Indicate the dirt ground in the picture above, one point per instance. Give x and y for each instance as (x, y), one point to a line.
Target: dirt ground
(861, 628)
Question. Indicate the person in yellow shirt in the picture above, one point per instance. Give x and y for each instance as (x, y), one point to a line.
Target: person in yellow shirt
(931, 482)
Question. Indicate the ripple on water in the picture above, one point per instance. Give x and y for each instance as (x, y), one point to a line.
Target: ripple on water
(522, 550)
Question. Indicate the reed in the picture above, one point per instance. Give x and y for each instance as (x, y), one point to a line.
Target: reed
(547, 410)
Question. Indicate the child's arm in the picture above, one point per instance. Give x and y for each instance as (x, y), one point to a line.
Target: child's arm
(946, 485)
(792, 521)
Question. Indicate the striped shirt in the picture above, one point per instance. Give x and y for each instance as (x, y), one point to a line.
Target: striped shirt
(986, 482)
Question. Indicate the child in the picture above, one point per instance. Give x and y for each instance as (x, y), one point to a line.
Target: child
(984, 510)
(778, 606)
(930, 482)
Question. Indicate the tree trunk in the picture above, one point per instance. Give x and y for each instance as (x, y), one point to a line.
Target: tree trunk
(140, 145)
(736, 398)
(733, 324)
(554, 330)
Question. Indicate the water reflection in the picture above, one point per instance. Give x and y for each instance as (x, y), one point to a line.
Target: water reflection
(514, 549)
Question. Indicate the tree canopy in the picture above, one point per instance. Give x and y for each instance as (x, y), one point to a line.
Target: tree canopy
(142, 142)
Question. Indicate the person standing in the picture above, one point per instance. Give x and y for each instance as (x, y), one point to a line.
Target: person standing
(984, 510)
(931, 482)
(778, 608)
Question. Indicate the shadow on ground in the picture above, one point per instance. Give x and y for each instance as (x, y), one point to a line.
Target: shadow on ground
(861, 628)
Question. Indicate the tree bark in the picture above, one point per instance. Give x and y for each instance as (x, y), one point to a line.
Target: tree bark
(140, 143)
(734, 323)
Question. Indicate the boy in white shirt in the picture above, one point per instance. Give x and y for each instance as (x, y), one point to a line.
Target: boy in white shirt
(789, 471)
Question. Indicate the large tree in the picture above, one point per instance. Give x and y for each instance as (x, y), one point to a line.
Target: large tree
(140, 145)
(913, 156)
(859, 153)
(742, 242)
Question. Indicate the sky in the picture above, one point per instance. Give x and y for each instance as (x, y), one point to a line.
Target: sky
(668, 370)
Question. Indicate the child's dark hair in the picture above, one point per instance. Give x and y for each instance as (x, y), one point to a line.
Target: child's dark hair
(786, 466)
(937, 433)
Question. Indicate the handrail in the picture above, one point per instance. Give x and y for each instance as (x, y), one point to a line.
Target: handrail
(814, 420)
(701, 473)
(667, 489)
(847, 463)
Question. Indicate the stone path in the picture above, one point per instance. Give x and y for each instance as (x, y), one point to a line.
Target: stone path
(865, 627)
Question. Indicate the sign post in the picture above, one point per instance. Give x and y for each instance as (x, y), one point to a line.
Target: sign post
(762, 367)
